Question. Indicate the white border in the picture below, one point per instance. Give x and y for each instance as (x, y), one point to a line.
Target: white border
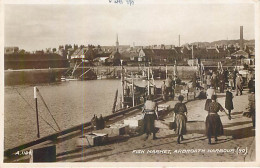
(128, 164)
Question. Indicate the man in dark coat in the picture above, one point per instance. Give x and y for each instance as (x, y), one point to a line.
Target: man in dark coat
(221, 82)
(234, 76)
(251, 85)
(169, 83)
(229, 102)
(214, 80)
(194, 80)
(251, 98)
(164, 92)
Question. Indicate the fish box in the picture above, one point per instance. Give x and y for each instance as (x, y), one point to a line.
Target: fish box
(104, 136)
(163, 107)
(178, 88)
(134, 121)
(191, 96)
(183, 94)
(89, 140)
(184, 91)
(119, 129)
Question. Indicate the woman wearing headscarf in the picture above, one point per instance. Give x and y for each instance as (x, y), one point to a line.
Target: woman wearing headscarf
(180, 111)
(214, 125)
(210, 91)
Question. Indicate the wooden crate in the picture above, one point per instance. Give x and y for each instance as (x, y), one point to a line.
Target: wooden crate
(89, 140)
(178, 88)
(164, 107)
(104, 136)
(119, 129)
(184, 91)
(191, 96)
(134, 121)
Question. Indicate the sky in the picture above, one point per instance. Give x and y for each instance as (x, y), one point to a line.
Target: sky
(36, 27)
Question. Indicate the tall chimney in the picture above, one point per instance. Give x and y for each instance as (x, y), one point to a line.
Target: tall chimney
(241, 38)
(179, 40)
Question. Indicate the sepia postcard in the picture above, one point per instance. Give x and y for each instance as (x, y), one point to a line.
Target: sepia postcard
(129, 83)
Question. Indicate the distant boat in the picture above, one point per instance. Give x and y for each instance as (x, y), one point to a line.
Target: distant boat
(101, 77)
(68, 78)
(137, 77)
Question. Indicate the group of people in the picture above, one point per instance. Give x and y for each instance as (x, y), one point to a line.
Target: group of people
(218, 79)
(214, 127)
(167, 88)
(213, 123)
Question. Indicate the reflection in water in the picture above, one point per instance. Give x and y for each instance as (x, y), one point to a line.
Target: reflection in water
(71, 103)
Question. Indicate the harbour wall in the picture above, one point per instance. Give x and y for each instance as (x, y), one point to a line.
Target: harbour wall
(32, 76)
(35, 76)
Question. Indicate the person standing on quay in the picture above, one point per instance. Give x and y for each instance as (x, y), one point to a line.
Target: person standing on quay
(231, 80)
(221, 82)
(150, 114)
(234, 76)
(210, 92)
(251, 99)
(214, 80)
(239, 84)
(168, 83)
(163, 88)
(208, 80)
(229, 102)
(194, 80)
(214, 125)
(181, 118)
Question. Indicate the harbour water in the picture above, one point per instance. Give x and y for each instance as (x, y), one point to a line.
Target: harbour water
(71, 103)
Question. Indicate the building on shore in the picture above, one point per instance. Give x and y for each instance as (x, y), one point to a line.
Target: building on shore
(11, 50)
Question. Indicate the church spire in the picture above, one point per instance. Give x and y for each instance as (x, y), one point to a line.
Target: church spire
(117, 43)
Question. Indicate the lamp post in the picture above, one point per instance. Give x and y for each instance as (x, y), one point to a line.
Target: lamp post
(36, 107)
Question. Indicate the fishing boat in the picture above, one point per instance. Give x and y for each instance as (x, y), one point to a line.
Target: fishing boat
(137, 77)
(68, 78)
(75, 74)
(101, 77)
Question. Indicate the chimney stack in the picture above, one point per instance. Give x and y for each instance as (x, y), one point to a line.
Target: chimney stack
(179, 40)
(241, 38)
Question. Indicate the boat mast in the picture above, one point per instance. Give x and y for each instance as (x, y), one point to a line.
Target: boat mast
(148, 80)
(133, 92)
(166, 72)
(122, 83)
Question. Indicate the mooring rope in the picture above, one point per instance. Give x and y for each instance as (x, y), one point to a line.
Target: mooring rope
(34, 110)
(48, 109)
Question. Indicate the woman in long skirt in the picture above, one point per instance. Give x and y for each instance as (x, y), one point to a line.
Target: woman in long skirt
(180, 118)
(214, 125)
(150, 114)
